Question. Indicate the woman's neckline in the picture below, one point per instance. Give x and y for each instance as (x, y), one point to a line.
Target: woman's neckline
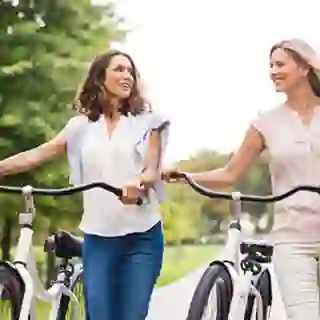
(306, 122)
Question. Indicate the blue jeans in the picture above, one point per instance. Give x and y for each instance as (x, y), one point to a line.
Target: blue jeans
(120, 273)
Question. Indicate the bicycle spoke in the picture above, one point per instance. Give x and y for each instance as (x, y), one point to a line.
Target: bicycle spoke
(79, 292)
(210, 312)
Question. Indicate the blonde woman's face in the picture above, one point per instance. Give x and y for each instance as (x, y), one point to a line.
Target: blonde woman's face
(285, 72)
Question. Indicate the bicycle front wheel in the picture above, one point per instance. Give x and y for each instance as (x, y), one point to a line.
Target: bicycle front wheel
(11, 293)
(212, 297)
(264, 287)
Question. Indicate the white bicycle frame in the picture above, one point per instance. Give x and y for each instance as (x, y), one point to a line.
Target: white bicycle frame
(243, 283)
(25, 264)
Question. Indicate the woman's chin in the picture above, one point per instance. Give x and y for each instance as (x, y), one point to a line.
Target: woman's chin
(123, 95)
(279, 89)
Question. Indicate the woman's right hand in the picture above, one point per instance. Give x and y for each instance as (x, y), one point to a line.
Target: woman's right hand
(171, 175)
(131, 192)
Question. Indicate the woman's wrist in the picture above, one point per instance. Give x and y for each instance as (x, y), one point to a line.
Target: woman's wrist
(149, 176)
(151, 170)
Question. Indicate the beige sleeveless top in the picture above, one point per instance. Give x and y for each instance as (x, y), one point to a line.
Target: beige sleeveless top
(294, 150)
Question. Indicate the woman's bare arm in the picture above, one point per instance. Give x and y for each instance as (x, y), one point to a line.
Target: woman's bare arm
(154, 151)
(27, 160)
(151, 170)
(238, 166)
(150, 173)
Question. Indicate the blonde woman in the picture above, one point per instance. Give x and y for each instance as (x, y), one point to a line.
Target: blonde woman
(291, 134)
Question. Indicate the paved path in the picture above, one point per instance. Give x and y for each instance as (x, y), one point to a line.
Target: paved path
(171, 302)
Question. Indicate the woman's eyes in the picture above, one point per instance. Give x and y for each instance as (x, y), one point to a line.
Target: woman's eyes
(123, 69)
(278, 64)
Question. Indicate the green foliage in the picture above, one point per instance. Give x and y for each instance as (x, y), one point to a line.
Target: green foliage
(189, 216)
(45, 49)
(182, 221)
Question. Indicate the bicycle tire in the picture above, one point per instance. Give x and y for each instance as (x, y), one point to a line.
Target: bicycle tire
(204, 288)
(13, 289)
(264, 286)
(65, 300)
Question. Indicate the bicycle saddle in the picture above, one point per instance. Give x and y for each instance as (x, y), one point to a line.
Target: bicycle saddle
(254, 247)
(66, 245)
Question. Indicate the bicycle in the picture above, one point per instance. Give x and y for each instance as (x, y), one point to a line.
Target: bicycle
(20, 284)
(237, 285)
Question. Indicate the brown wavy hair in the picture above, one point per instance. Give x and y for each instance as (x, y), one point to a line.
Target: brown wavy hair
(312, 77)
(92, 95)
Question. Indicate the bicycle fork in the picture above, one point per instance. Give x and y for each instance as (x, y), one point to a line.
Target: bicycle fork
(245, 287)
(241, 293)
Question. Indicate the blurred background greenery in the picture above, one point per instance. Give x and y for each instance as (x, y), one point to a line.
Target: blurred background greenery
(45, 49)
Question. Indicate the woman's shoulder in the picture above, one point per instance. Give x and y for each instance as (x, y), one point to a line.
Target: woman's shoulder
(74, 126)
(150, 119)
(265, 121)
(271, 113)
(77, 120)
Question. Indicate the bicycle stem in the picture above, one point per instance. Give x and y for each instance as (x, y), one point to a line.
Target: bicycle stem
(26, 217)
(28, 199)
(231, 252)
(236, 205)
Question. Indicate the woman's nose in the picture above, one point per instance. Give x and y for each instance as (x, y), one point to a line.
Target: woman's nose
(127, 74)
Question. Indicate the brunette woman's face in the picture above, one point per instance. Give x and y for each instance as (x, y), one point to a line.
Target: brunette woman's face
(285, 72)
(119, 79)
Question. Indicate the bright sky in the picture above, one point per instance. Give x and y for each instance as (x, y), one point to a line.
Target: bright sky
(205, 62)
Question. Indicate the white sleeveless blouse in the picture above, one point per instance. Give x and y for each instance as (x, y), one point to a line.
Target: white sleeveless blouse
(94, 157)
(294, 150)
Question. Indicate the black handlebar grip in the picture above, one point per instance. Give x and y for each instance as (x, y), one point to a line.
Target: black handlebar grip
(177, 175)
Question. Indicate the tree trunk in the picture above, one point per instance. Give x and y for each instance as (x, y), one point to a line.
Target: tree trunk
(6, 239)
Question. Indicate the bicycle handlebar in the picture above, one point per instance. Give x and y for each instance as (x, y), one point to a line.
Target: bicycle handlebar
(66, 191)
(241, 197)
(201, 190)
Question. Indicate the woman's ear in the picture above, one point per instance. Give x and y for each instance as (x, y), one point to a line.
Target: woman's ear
(306, 70)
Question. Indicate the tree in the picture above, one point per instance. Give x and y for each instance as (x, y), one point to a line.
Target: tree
(205, 215)
(45, 48)
(182, 222)
(258, 182)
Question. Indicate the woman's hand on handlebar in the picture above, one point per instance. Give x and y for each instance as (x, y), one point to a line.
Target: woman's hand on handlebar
(137, 189)
(131, 192)
(172, 175)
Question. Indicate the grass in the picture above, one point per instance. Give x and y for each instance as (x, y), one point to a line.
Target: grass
(178, 262)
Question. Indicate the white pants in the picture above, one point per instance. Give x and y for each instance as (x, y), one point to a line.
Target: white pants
(297, 272)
